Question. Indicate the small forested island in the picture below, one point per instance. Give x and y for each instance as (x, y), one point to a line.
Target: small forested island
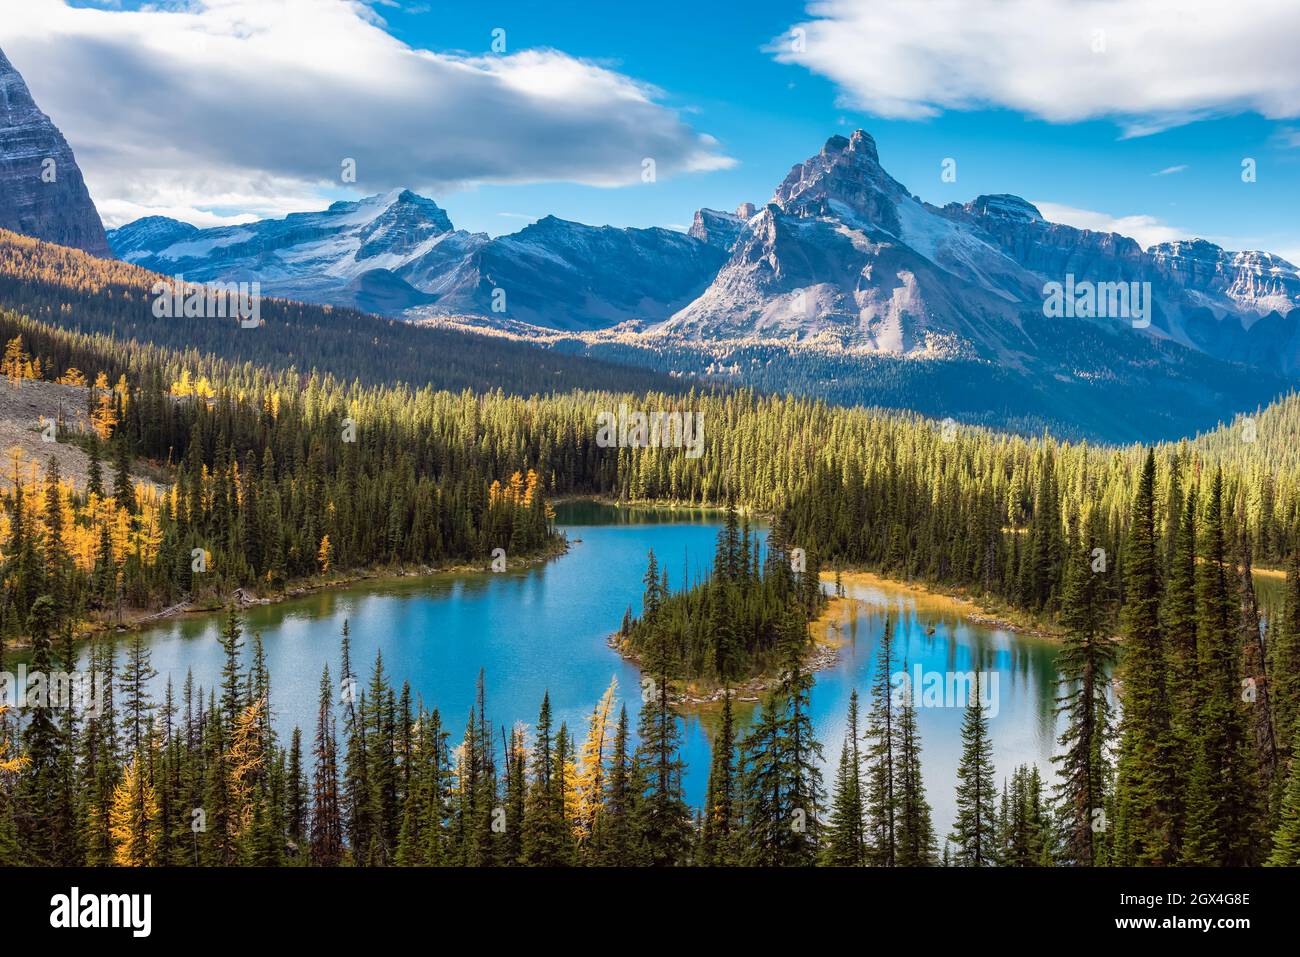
(740, 622)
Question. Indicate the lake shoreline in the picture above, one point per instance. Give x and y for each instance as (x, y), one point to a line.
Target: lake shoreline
(243, 597)
(824, 651)
(954, 601)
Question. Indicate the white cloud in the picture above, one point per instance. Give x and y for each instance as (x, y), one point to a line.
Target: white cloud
(1148, 65)
(1288, 137)
(1170, 170)
(1147, 230)
(226, 107)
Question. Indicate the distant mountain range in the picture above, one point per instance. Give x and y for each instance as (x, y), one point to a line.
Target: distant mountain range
(395, 251)
(842, 252)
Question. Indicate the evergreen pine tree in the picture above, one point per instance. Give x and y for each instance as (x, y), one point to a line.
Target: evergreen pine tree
(721, 804)
(1147, 772)
(974, 835)
(845, 831)
(1084, 664)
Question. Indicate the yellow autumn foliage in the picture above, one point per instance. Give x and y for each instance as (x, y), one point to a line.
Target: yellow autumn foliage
(9, 765)
(133, 819)
(588, 777)
(247, 762)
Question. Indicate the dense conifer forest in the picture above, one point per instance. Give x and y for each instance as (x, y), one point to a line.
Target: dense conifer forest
(269, 479)
(1142, 559)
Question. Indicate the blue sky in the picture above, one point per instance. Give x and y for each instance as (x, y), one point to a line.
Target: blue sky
(710, 58)
(714, 70)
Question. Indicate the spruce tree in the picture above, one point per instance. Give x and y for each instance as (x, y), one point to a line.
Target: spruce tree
(1224, 807)
(123, 489)
(1286, 837)
(781, 768)
(974, 835)
(881, 793)
(40, 784)
(1084, 664)
(614, 838)
(546, 841)
(846, 844)
(721, 802)
(662, 820)
(915, 838)
(1148, 752)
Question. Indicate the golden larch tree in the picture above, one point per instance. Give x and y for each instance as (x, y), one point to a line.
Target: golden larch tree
(589, 774)
(133, 819)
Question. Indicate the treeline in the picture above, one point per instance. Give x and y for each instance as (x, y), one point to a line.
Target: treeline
(1201, 769)
(735, 623)
(201, 777)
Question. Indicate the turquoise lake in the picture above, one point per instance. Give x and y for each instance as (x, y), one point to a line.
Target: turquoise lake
(545, 628)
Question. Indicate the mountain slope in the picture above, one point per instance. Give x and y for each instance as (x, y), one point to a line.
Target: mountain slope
(67, 288)
(316, 257)
(42, 193)
(844, 249)
(564, 275)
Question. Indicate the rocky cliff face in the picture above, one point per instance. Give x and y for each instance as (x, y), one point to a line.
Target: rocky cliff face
(42, 193)
(717, 228)
(1048, 249)
(1203, 296)
(1253, 280)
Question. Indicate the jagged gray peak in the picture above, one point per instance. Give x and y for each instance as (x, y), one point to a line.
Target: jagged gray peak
(716, 228)
(845, 178)
(42, 192)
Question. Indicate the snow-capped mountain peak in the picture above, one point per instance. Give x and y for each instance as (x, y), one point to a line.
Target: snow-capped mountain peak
(313, 255)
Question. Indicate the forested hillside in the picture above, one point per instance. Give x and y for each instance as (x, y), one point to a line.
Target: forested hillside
(1087, 382)
(1267, 438)
(270, 479)
(898, 492)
